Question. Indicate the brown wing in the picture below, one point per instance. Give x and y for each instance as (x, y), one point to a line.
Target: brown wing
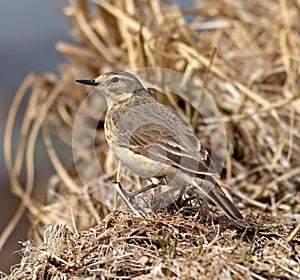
(155, 131)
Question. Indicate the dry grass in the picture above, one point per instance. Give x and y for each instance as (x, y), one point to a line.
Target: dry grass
(164, 246)
(247, 56)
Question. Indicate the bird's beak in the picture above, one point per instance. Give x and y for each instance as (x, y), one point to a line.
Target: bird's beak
(88, 82)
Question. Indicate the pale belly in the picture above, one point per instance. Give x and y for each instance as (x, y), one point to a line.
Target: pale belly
(145, 167)
(141, 165)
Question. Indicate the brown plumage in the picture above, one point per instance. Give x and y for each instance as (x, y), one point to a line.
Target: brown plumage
(151, 140)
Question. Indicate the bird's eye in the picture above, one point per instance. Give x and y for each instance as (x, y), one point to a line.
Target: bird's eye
(115, 80)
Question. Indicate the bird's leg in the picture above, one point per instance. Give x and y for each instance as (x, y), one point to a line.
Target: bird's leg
(154, 183)
(180, 195)
(117, 185)
(129, 198)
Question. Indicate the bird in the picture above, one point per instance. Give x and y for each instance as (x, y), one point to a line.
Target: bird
(153, 141)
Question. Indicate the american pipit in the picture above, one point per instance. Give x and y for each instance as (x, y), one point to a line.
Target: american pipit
(151, 140)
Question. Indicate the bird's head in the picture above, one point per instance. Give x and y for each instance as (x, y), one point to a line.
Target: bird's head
(115, 84)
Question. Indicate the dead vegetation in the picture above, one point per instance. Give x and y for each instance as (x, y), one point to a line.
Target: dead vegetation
(246, 55)
(162, 246)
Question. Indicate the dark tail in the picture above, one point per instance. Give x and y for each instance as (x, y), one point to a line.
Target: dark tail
(212, 190)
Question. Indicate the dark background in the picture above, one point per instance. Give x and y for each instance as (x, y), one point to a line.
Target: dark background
(29, 31)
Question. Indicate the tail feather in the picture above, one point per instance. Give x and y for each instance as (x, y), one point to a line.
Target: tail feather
(214, 192)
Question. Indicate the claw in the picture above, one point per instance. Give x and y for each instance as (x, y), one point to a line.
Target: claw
(129, 199)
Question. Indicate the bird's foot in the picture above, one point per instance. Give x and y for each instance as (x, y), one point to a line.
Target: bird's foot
(129, 199)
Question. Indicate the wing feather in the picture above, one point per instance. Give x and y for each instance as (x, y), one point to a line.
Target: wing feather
(167, 139)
